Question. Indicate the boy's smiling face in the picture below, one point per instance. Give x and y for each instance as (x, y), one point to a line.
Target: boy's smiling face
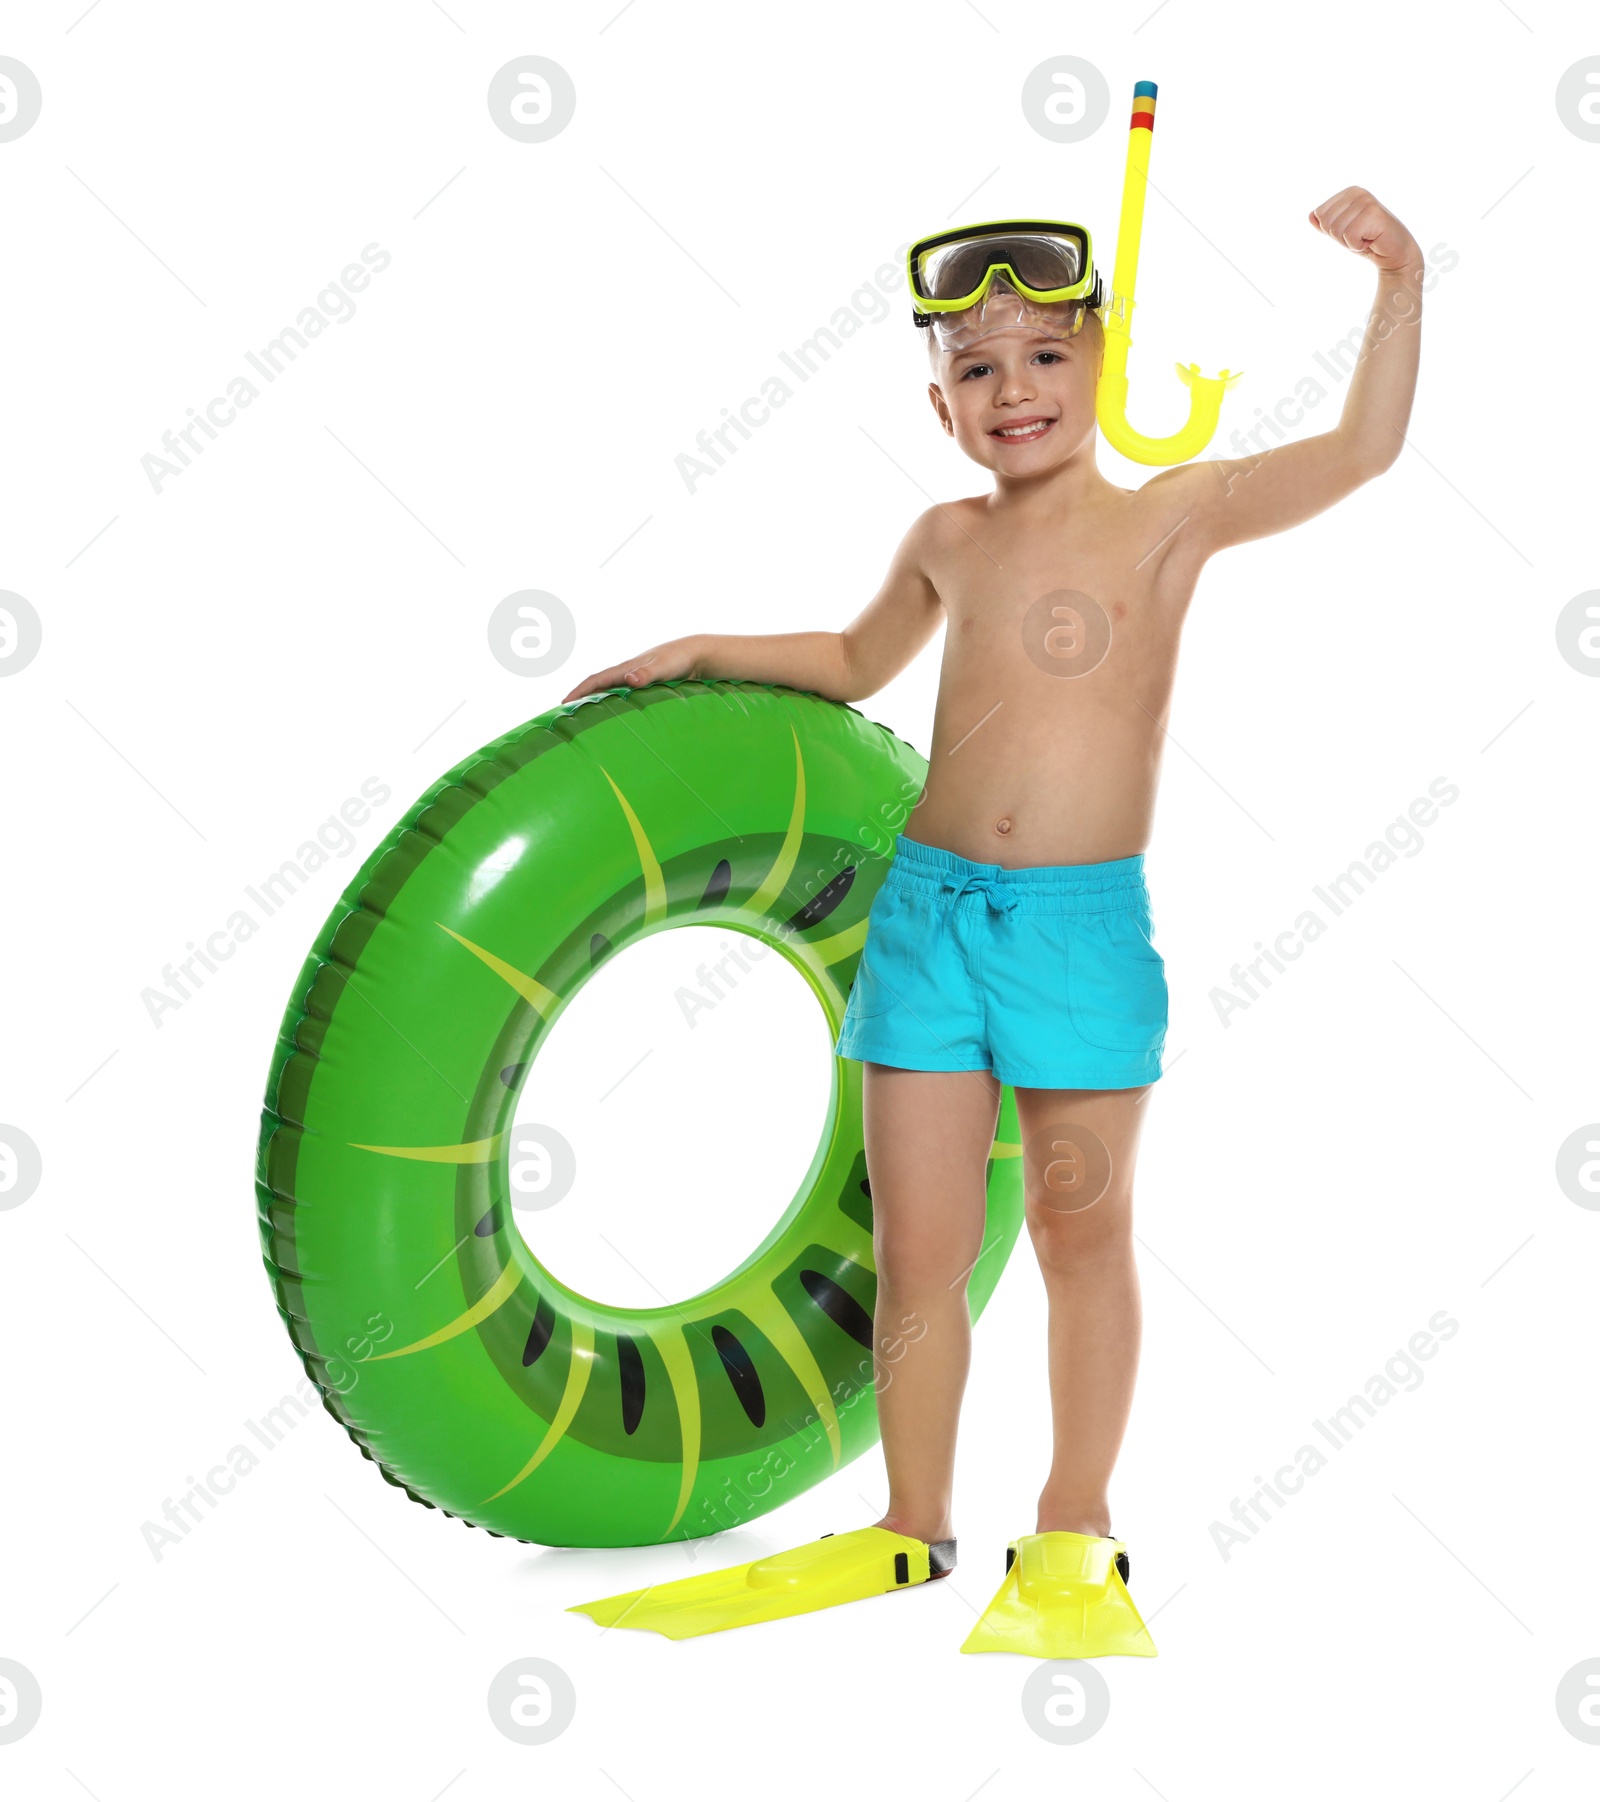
(1018, 402)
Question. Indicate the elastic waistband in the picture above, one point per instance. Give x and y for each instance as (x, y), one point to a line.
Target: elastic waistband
(1077, 888)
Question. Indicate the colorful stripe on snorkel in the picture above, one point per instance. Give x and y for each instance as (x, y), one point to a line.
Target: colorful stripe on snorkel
(1144, 106)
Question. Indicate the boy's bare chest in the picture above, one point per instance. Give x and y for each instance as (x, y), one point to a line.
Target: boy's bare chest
(1111, 609)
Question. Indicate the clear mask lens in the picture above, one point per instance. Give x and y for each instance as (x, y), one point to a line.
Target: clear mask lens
(1041, 260)
(1003, 309)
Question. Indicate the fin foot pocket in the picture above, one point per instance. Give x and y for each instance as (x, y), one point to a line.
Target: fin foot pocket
(1064, 1595)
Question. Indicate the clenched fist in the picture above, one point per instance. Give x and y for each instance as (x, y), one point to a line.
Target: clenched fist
(1355, 219)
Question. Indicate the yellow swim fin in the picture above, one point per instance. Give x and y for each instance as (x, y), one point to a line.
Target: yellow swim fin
(839, 1567)
(1065, 1596)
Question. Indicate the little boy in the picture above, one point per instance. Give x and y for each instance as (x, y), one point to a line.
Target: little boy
(1011, 940)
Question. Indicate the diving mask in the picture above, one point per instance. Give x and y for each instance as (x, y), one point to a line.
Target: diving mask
(1028, 275)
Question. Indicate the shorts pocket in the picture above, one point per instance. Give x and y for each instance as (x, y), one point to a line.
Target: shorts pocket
(1116, 981)
(881, 955)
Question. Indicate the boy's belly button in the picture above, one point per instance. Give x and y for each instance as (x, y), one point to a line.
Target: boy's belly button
(1002, 826)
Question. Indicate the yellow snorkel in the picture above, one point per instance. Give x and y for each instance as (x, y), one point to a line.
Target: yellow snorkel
(1111, 400)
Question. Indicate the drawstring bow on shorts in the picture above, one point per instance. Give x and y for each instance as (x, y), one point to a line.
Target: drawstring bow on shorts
(1000, 898)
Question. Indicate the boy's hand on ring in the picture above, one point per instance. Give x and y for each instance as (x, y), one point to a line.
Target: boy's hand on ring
(665, 663)
(1353, 218)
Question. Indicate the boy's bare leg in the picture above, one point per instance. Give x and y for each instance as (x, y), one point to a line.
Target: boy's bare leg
(928, 1134)
(1080, 1218)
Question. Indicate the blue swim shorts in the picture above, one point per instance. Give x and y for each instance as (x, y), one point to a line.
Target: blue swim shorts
(1046, 976)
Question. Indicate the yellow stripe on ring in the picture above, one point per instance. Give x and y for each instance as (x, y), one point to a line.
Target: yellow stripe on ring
(830, 951)
(789, 851)
(505, 1285)
(773, 1319)
(674, 1350)
(528, 987)
(581, 1362)
(655, 889)
(474, 1151)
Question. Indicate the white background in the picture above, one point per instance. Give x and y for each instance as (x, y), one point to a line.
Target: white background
(226, 661)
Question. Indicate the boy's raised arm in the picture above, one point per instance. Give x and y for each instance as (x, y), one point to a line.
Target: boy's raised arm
(841, 666)
(1232, 499)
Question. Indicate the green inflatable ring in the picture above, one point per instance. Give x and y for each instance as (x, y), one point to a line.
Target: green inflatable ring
(474, 1378)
